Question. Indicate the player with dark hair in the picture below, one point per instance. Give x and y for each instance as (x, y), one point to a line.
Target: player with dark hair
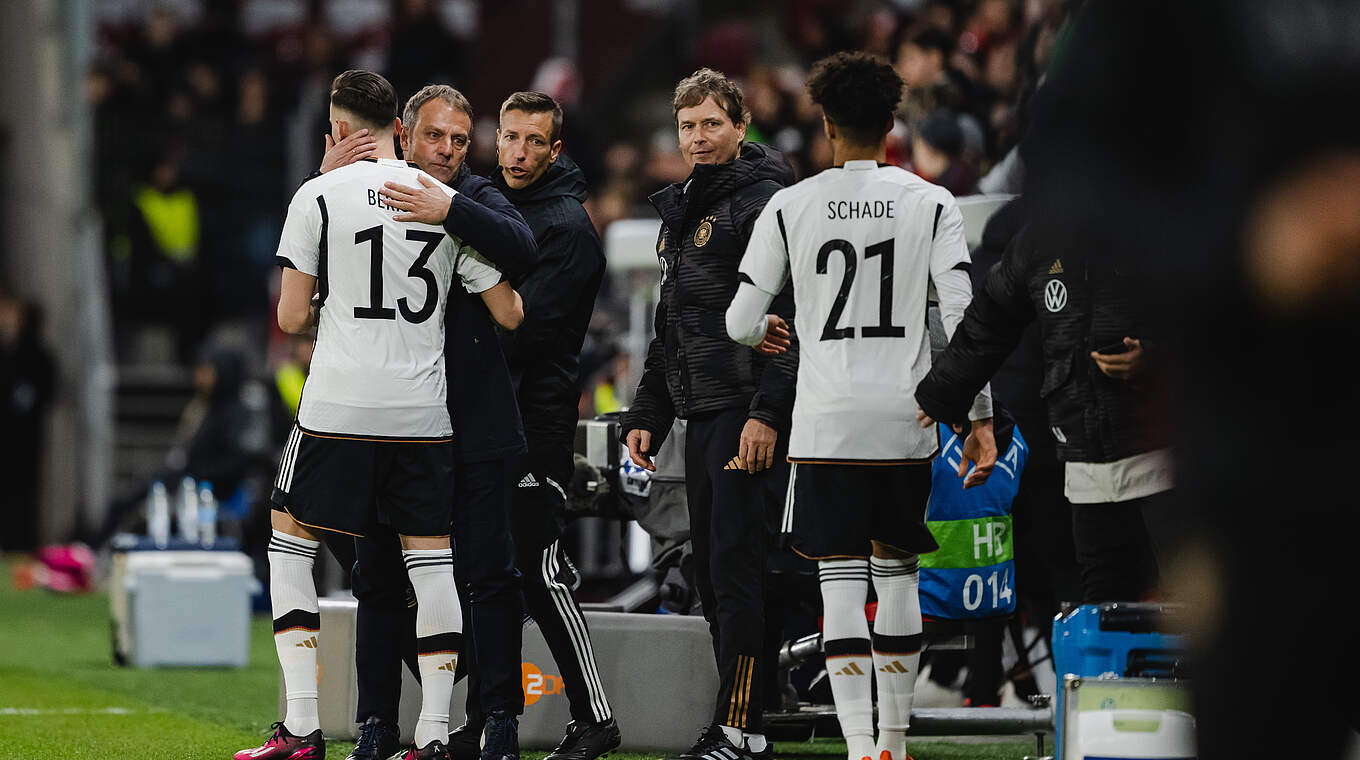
(862, 243)
(373, 438)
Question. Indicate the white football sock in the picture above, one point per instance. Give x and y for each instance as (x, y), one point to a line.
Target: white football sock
(845, 641)
(897, 649)
(439, 638)
(297, 623)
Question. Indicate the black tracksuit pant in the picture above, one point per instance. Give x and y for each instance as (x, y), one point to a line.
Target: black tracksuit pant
(488, 589)
(537, 502)
(728, 512)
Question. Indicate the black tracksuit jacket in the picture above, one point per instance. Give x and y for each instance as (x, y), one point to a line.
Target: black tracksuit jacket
(692, 365)
(1082, 303)
(544, 354)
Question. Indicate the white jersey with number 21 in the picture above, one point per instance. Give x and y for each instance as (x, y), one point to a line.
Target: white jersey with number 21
(863, 244)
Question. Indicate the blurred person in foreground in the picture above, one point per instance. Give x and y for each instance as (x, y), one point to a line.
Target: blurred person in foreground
(861, 472)
(544, 359)
(736, 400)
(1254, 248)
(436, 135)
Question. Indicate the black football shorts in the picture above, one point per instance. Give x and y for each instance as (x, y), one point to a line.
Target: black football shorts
(835, 511)
(345, 484)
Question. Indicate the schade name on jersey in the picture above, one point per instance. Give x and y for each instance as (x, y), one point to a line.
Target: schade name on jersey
(876, 209)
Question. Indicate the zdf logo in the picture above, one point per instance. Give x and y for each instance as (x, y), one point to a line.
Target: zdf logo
(537, 683)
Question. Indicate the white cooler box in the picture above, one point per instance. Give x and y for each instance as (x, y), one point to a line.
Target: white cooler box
(182, 608)
(1127, 719)
(657, 670)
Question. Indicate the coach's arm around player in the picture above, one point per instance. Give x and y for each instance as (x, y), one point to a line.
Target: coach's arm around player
(435, 131)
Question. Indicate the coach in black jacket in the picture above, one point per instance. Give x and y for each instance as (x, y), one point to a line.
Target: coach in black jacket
(1100, 395)
(737, 402)
(544, 357)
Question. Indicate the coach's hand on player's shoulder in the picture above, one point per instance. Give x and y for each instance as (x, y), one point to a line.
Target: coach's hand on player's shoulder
(777, 339)
(756, 446)
(979, 449)
(639, 448)
(427, 204)
(355, 146)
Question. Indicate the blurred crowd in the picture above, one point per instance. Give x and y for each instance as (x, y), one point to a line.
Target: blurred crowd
(208, 114)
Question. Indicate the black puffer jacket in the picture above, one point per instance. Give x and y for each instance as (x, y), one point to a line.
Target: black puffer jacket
(559, 292)
(1081, 303)
(692, 365)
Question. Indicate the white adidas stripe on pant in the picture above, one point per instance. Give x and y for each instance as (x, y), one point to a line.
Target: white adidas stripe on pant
(575, 625)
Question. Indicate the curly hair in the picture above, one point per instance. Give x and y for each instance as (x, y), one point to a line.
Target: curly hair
(858, 92)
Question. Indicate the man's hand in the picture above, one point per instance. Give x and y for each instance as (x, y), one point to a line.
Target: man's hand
(924, 419)
(356, 146)
(1121, 366)
(755, 449)
(979, 448)
(427, 204)
(776, 336)
(640, 442)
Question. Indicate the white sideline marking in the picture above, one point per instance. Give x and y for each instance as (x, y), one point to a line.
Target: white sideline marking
(73, 711)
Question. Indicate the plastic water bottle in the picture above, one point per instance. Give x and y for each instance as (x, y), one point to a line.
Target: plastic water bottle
(207, 515)
(158, 515)
(188, 510)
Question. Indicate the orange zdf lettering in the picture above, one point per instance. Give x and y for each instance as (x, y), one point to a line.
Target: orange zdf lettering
(538, 684)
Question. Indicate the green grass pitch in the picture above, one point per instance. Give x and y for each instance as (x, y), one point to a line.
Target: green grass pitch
(62, 698)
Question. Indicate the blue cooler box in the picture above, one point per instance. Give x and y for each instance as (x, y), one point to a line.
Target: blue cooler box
(1115, 640)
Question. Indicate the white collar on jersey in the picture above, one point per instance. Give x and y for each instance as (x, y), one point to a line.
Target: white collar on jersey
(861, 164)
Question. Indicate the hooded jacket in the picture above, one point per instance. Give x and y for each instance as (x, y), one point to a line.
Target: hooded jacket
(544, 354)
(692, 365)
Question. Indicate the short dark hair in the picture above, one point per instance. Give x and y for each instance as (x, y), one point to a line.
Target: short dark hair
(529, 101)
(707, 83)
(434, 92)
(367, 95)
(933, 38)
(858, 92)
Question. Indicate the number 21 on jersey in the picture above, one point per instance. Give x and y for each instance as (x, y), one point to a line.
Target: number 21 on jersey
(884, 253)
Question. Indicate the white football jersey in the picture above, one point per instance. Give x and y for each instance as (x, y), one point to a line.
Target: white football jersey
(378, 366)
(863, 245)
